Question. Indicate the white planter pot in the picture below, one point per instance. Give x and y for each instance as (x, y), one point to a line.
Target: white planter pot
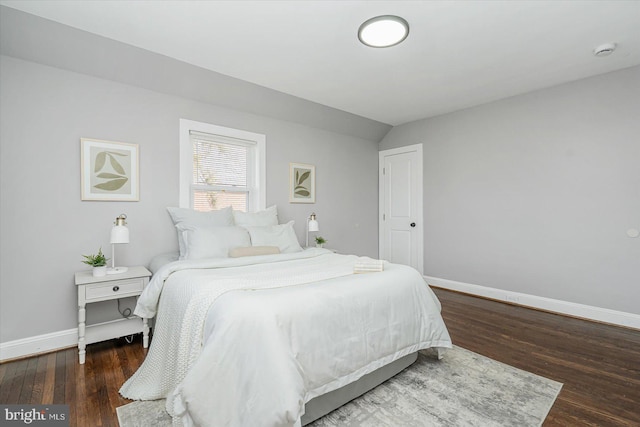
(100, 271)
(319, 245)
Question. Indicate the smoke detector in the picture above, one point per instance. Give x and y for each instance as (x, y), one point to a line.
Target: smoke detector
(604, 49)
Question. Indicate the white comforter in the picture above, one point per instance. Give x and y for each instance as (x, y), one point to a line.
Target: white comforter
(248, 341)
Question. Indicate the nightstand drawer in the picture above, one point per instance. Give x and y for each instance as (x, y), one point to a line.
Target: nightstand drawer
(114, 289)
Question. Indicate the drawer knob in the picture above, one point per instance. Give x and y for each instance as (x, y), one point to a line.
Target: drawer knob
(116, 288)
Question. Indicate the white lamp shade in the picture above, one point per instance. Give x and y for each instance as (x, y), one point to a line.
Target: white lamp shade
(119, 234)
(313, 225)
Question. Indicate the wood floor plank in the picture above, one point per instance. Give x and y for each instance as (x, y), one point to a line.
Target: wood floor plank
(92, 382)
(49, 379)
(29, 377)
(599, 365)
(3, 371)
(59, 379)
(7, 381)
(16, 382)
(38, 384)
(113, 379)
(70, 383)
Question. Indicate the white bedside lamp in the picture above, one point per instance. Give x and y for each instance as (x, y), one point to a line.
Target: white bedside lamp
(312, 225)
(119, 234)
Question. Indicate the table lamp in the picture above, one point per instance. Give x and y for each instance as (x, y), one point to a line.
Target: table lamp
(312, 225)
(119, 234)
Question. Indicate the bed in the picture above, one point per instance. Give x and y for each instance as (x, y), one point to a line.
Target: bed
(278, 339)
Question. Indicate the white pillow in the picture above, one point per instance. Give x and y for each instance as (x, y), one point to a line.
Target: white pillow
(211, 242)
(219, 218)
(158, 261)
(263, 218)
(281, 236)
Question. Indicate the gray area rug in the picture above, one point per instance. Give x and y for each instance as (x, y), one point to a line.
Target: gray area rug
(462, 389)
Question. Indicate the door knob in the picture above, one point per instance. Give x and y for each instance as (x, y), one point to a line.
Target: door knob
(413, 224)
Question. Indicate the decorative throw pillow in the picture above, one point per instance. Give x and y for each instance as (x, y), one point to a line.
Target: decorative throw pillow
(211, 242)
(219, 218)
(283, 236)
(253, 251)
(263, 218)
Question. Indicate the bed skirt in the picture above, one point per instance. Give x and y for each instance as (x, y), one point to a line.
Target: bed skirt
(322, 405)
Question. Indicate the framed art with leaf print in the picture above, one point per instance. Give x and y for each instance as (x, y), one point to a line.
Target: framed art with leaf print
(302, 183)
(109, 170)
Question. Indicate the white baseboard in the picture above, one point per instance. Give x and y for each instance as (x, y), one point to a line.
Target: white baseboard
(597, 314)
(63, 339)
(38, 344)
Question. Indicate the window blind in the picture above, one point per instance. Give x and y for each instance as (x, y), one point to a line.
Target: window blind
(220, 172)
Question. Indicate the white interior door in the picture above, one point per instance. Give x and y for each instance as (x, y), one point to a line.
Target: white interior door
(401, 229)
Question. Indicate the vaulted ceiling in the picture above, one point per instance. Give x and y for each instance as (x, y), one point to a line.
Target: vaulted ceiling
(458, 53)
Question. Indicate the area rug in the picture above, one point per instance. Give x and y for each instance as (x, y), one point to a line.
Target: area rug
(462, 389)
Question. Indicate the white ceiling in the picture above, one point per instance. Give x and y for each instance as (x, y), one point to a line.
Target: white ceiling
(458, 53)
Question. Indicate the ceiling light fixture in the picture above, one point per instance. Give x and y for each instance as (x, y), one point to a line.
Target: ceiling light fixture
(383, 31)
(604, 49)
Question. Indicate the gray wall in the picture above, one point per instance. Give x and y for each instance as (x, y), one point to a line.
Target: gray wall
(45, 227)
(39, 40)
(535, 193)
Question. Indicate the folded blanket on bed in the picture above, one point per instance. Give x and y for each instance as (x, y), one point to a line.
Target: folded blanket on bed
(368, 266)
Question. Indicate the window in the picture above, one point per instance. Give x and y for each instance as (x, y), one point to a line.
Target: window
(221, 167)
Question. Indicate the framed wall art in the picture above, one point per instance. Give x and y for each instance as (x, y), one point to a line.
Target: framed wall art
(302, 183)
(109, 170)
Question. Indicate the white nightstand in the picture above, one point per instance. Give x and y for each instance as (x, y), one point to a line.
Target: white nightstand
(109, 287)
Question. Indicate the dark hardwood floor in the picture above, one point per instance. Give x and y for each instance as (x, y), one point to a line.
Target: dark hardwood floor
(598, 364)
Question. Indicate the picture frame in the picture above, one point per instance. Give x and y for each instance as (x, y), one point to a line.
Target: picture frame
(109, 170)
(302, 183)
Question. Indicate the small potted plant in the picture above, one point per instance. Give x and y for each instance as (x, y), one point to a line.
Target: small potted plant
(98, 262)
(320, 241)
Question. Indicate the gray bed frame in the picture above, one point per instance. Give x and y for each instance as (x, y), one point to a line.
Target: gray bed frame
(322, 405)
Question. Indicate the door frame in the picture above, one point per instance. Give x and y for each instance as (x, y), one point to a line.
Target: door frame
(419, 202)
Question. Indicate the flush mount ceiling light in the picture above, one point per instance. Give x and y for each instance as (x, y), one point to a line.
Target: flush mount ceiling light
(383, 31)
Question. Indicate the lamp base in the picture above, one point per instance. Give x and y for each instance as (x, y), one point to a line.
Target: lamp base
(117, 270)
